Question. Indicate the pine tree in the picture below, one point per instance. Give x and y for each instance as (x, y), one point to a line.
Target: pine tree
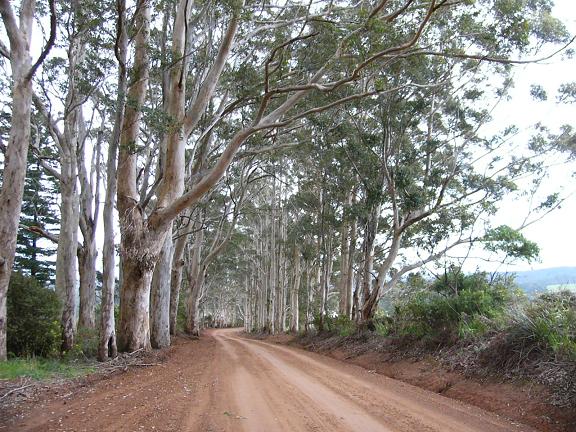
(35, 256)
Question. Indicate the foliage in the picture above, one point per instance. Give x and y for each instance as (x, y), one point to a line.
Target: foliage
(383, 325)
(180, 317)
(511, 242)
(34, 256)
(340, 325)
(85, 345)
(41, 368)
(455, 306)
(33, 318)
(505, 331)
(547, 324)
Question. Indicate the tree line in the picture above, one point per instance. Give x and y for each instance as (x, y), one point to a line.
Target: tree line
(251, 149)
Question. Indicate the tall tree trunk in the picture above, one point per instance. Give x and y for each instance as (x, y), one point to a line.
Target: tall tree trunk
(194, 279)
(172, 170)
(66, 254)
(370, 229)
(284, 278)
(356, 298)
(87, 268)
(294, 306)
(17, 150)
(134, 331)
(139, 253)
(182, 240)
(371, 302)
(142, 238)
(308, 281)
(350, 272)
(344, 268)
(193, 321)
(107, 341)
(176, 280)
(89, 212)
(160, 298)
(325, 284)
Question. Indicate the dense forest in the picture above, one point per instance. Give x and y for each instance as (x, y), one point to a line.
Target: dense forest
(279, 165)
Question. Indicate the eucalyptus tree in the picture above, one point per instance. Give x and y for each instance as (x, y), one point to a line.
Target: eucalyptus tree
(438, 181)
(223, 302)
(34, 256)
(293, 61)
(107, 335)
(214, 237)
(81, 72)
(19, 31)
(415, 150)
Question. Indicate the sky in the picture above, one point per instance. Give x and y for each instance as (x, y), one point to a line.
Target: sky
(556, 233)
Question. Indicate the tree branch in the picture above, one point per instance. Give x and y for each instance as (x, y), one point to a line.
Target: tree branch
(50, 42)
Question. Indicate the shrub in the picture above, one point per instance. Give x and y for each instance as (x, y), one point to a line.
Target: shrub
(383, 324)
(345, 326)
(455, 306)
(547, 324)
(32, 317)
(85, 345)
(341, 325)
(473, 327)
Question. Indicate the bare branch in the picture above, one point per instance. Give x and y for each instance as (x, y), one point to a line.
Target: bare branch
(50, 42)
(9, 19)
(4, 50)
(266, 149)
(40, 232)
(197, 108)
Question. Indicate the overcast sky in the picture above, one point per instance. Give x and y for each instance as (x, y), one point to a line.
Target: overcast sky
(556, 233)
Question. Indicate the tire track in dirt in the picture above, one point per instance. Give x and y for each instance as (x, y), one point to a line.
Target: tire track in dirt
(398, 406)
(226, 383)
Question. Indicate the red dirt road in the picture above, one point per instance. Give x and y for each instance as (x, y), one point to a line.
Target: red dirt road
(224, 382)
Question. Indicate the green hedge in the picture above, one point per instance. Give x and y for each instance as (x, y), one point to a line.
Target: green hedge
(32, 318)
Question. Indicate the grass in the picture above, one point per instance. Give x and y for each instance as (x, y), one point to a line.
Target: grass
(39, 368)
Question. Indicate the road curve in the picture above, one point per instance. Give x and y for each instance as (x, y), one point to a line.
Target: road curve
(227, 383)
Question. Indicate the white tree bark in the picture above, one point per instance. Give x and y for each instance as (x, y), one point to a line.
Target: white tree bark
(160, 298)
(107, 340)
(294, 306)
(138, 251)
(66, 262)
(195, 279)
(89, 215)
(19, 35)
(142, 238)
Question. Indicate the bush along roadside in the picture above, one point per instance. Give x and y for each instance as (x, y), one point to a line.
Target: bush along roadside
(34, 337)
(478, 326)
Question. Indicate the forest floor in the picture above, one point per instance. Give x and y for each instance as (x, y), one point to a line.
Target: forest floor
(225, 382)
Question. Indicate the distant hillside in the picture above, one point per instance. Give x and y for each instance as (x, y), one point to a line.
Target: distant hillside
(538, 280)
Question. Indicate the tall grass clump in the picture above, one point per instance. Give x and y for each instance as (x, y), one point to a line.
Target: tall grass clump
(547, 325)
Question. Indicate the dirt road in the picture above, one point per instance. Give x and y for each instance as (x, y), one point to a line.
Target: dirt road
(224, 382)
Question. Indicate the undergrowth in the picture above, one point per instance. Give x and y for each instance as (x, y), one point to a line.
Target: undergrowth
(478, 326)
(41, 368)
